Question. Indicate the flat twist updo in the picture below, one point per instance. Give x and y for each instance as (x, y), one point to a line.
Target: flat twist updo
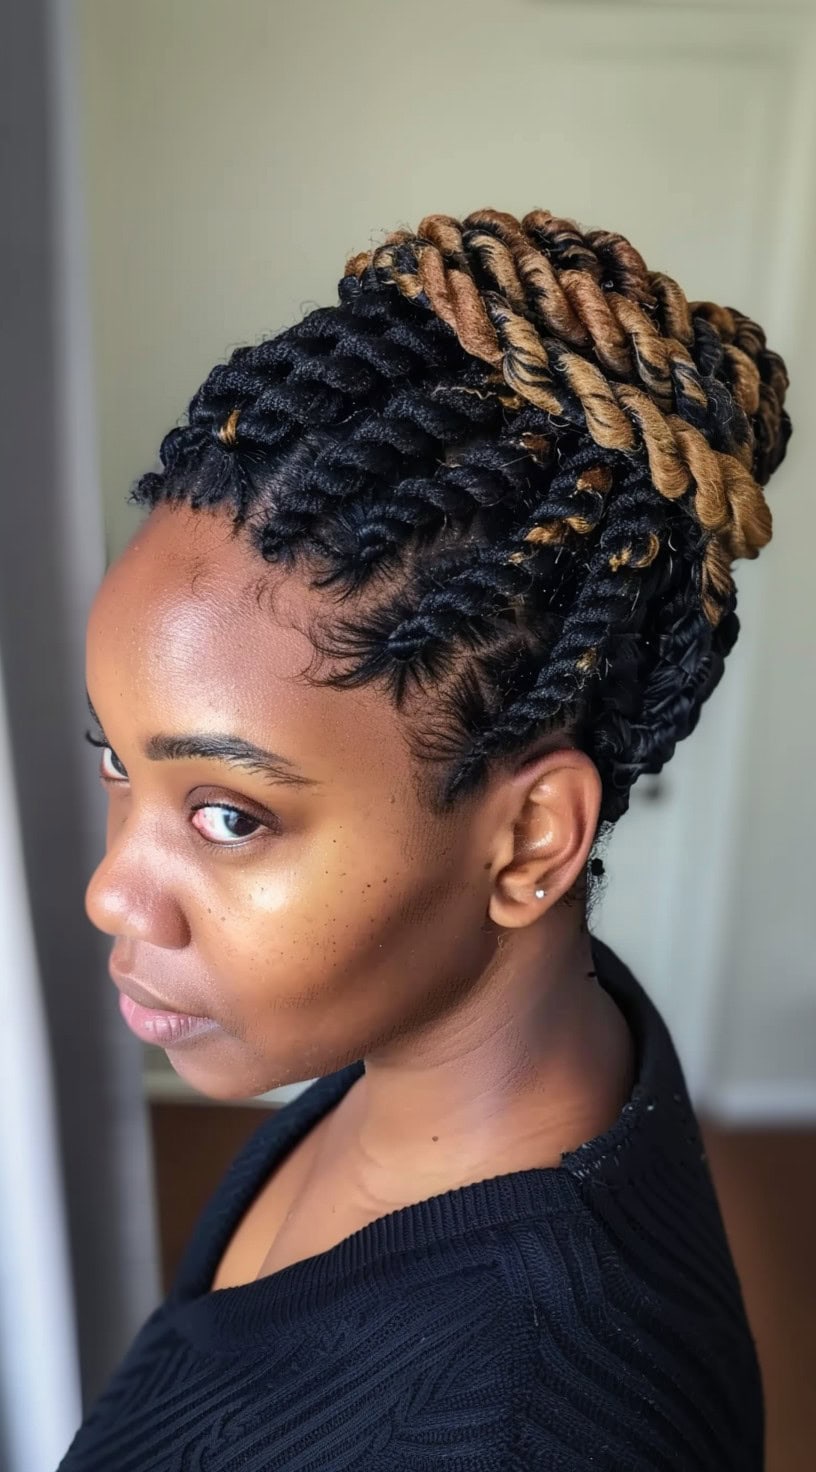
(526, 462)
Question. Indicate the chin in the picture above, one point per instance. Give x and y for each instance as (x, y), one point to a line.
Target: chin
(231, 1081)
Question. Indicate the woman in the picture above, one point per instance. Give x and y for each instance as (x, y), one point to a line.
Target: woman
(427, 581)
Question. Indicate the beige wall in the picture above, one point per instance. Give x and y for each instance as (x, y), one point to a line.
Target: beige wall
(240, 150)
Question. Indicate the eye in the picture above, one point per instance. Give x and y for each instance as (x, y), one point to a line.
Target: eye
(118, 773)
(222, 823)
(218, 822)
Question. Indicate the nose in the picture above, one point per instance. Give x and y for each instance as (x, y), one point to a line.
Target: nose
(126, 896)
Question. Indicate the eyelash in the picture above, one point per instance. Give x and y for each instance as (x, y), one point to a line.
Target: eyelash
(229, 807)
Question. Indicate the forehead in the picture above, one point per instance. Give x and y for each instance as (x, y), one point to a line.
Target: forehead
(186, 588)
(191, 628)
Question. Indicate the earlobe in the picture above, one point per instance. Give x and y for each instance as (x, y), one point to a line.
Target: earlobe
(552, 818)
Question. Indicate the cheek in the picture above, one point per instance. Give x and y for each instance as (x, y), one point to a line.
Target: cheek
(338, 946)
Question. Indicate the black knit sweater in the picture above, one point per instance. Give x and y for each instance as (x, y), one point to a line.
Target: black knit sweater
(584, 1316)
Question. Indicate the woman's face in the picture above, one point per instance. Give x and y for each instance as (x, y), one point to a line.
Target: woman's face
(312, 907)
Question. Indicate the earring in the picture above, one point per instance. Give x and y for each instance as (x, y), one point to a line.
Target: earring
(540, 893)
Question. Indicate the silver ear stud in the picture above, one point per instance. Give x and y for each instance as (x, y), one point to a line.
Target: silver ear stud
(540, 893)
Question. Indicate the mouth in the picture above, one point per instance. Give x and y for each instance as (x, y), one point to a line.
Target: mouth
(153, 1020)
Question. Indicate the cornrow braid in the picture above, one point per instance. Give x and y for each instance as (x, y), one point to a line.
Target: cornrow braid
(522, 464)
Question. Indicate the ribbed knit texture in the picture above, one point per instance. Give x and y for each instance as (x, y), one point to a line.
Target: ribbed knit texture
(584, 1316)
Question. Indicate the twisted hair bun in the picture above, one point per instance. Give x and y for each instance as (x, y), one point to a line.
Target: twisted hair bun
(526, 463)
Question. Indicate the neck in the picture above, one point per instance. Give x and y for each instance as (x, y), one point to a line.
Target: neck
(533, 1061)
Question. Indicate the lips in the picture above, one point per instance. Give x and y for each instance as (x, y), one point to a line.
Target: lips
(164, 1029)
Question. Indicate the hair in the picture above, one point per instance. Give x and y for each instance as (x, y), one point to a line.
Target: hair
(523, 464)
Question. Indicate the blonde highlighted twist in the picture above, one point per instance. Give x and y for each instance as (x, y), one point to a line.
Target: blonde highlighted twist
(571, 319)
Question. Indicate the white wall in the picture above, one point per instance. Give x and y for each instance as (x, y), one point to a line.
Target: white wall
(239, 150)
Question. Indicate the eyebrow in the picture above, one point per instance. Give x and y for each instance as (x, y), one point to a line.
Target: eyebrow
(222, 747)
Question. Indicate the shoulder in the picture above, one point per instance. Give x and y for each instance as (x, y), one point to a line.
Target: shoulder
(628, 1353)
(544, 1345)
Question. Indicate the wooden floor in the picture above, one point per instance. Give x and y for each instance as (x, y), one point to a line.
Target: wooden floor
(766, 1182)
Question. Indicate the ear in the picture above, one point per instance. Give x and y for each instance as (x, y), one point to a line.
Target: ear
(549, 823)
